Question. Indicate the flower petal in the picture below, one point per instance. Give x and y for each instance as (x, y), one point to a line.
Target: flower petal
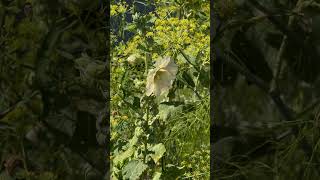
(161, 78)
(163, 62)
(150, 82)
(163, 81)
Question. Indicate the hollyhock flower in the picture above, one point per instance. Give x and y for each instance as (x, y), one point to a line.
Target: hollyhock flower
(160, 78)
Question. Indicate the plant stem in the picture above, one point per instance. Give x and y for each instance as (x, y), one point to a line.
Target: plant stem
(187, 59)
(283, 46)
(146, 63)
(146, 139)
(24, 158)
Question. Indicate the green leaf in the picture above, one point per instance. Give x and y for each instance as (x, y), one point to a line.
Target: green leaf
(13, 9)
(166, 111)
(134, 169)
(129, 152)
(123, 156)
(143, 47)
(204, 78)
(47, 176)
(131, 27)
(152, 19)
(172, 172)
(156, 176)
(135, 139)
(65, 54)
(5, 176)
(188, 79)
(223, 148)
(159, 150)
(64, 121)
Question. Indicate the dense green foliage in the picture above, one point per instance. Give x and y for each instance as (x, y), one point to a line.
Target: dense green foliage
(266, 87)
(52, 85)
(165, 135)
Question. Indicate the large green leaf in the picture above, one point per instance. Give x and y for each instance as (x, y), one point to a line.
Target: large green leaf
(156, 176)
(134, 169)
(166, 111)
(129, 152)
(135, 139)
(159, 150)
(123, 156)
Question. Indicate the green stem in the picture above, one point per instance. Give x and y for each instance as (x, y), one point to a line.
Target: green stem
(146, 130)
(146, 64)
(193, 89)
(24, 158)
(188, 60)
(146, 139)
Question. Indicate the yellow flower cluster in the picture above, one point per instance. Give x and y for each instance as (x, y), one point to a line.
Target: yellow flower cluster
(132, 45)
(118, 9)
(163, 12)
(173, 33)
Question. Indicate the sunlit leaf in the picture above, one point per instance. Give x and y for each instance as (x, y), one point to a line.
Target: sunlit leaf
(159, 151)
(134, 169)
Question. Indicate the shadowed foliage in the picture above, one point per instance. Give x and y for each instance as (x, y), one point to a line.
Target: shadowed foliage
(53, 89)
(266, 101)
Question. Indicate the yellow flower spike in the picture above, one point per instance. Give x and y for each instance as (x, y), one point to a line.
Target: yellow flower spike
(161, 78)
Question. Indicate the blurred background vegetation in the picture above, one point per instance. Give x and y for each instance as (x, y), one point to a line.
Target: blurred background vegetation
(266, 89)
(53, 89)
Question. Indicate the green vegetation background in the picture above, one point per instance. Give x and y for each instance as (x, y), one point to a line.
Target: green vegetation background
(266, 86)
(53, 89)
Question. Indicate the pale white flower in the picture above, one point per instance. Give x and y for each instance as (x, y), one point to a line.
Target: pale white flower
(160, 78)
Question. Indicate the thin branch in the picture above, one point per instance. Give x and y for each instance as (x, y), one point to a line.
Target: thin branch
(295, 37)
(284, 43)
(24, 160)
(10, 109)
(307, 109)
(238, 23)
(250, 21)
(188, 60)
